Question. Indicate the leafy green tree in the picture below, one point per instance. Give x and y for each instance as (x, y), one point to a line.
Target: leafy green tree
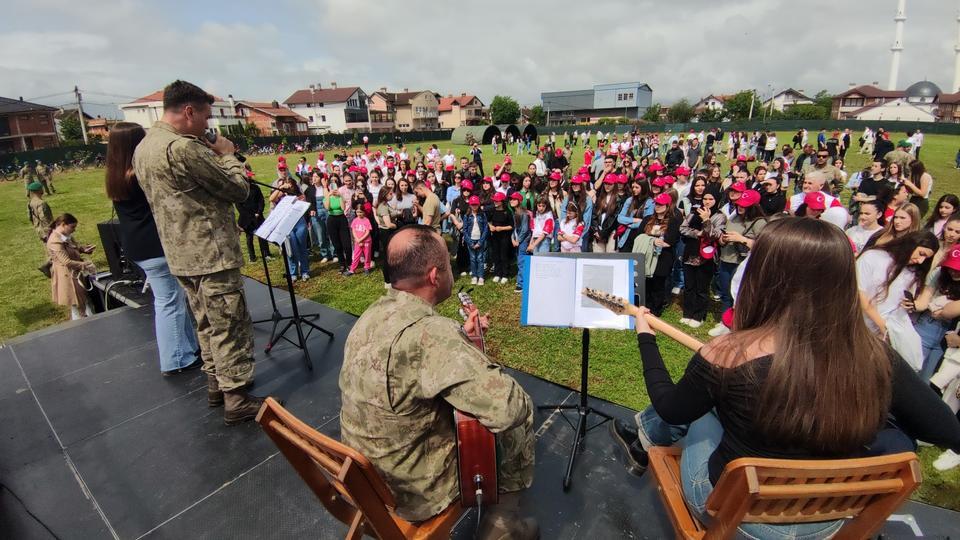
(823, 99)
(504, 110)
(804, 112)
(738, 106)
(681, 112)
(652, 114)
(711, 115)
(537, 115)
(70, 129)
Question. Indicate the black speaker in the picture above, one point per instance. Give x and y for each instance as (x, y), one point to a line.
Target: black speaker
(120, 266)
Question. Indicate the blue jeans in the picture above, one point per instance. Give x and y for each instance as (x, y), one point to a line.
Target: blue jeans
(477, 258)
(677, 274)
(299, 249)
(724, 277)
(320, 238)
(931, 334)
(173, 324)
(523, 259)
(544, 246)
(699, 440)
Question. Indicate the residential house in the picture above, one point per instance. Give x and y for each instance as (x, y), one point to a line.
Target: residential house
(26, 126)
(148, 109)
(412, 111)
(100, 127)
(272, 118)
(332, 110)
(858, 98)
(920, 102)
(710, 103)
(462, 110)
(788, 98)
(948, 108)
(67, 112)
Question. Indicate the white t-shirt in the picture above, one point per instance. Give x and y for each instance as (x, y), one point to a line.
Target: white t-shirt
(859, 235)
(449, 160)
(872, 268)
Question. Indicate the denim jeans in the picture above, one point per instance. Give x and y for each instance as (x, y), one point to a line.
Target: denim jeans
(699, 440)
(299, 249)
(544, 246)
(677, 273)
(931, 334)
(724, 277)
(477, 258)
(173, 324)
(523, 259)
(320, 238)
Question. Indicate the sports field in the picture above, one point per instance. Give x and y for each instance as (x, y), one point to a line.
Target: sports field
(553, 354)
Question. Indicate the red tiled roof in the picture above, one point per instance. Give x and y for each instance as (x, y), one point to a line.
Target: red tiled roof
(949, 99)
(269, 109)
(447, 103)
(158, 96)
(870, 91)
(321, 95)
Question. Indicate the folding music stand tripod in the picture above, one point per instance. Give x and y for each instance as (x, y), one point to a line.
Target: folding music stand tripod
(583, 408)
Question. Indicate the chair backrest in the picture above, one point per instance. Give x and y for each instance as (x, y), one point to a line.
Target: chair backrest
(343, 479)
(867, 490)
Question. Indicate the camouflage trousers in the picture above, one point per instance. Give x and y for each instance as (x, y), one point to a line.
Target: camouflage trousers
(224, 328)
(515, 453)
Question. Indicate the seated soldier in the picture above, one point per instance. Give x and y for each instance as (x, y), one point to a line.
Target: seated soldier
(406, 368)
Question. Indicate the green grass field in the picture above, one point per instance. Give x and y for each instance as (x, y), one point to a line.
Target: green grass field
(553, 354)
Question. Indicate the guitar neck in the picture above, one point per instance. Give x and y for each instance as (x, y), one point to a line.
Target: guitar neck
(673, 333)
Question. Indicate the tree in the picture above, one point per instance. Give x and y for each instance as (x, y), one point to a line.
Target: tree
(537, 115)
(711, 115)
(652, 114)
(738, 107)
(823, 99)
(803, 112)
(681, 112)
(504, 110)
(70, 129)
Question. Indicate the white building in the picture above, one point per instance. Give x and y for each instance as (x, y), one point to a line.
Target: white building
(788, 98)
(331, 110)
(148, 109)
(918, 103)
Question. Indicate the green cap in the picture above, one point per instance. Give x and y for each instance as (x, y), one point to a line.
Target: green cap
(34, 186)
(905, 143)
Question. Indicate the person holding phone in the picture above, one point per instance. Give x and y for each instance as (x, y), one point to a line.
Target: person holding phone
(69, 270)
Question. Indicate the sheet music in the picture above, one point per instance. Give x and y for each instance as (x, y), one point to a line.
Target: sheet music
(547, 296)
(281, 220)
(614, 276)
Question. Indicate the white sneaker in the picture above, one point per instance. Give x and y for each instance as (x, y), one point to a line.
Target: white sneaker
(473, 281)
(386, 285)
(305, 277)
(336, 259)
(373, 264)
(324, 260)
(462, 274)
(947, 461)
(675, 291)
(685, 321)
(719, 330)
(293, 278)
(693, 324)
(480, 281)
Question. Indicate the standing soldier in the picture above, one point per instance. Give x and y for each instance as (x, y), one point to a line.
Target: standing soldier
(41, 217)
(45, 176)
(191, 187)
(29, 174)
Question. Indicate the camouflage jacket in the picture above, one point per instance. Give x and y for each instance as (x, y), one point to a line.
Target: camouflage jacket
(191, 192)
(40, 216)
(405, 368)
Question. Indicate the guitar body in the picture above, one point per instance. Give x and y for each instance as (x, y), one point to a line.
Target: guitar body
(477, 460)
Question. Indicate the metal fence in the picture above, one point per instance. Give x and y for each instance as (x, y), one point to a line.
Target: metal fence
(755, 125)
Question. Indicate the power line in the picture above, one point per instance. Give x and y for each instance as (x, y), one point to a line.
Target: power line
(108, 95)
(50, 96)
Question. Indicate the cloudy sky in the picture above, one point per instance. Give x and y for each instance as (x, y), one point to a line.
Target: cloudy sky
(266, 50)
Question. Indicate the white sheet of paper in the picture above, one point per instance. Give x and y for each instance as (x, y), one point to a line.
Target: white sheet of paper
(281, 220)
(608, 275)
(549, 299)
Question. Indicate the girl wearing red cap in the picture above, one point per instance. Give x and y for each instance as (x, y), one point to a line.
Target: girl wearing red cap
(735, 243)
(571, 230)
(949, 238)
(888, 274)
(584, 202)
(475, 234)
(544, 223)
(701, 230)
(664, 226)
(500, 223)
(605, 217)
(637, 206)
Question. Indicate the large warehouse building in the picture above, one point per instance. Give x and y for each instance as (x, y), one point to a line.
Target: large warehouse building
(629, 99)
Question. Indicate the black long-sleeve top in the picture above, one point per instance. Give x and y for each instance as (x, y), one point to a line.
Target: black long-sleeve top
(735, 393)
(138, 231)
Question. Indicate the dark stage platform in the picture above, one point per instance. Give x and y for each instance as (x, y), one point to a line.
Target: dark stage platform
(96, 444)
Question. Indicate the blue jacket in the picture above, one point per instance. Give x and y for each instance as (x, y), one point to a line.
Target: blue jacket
(624, 219)
(468, 227)
(522, 230)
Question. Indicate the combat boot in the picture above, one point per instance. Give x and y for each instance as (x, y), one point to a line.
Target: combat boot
(239, 406)
(214, 395)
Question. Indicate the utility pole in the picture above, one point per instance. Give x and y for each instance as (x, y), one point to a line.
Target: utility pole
(83, 125)
(753, 97)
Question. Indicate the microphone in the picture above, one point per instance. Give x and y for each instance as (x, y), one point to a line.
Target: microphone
(211, 138)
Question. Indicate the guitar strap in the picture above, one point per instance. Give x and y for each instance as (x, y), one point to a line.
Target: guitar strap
(390, 356)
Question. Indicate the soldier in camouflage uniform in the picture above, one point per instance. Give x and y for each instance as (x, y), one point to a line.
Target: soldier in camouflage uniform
(191, 188)
(406, 368)
(29, 174)
(45, 176)
(41, 217)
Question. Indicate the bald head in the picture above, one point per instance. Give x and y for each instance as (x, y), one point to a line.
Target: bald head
(417, 257)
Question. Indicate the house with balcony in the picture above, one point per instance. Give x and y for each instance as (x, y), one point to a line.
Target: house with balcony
(26, 126)
(462, 110)
(148, 109)
(332, 110)
(412, 111)
(272, 118)
(857, 99)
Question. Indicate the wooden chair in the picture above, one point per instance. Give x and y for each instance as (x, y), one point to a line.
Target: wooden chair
(346, 482)
(756, 490)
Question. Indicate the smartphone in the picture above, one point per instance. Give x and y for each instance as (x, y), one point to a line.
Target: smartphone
(908, 295)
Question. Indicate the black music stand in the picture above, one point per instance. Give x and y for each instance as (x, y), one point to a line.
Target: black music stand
(583, 408)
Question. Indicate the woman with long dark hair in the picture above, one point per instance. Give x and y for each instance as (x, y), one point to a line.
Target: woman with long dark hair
(173, 325)
(299, 239)
(946, 206)
(338, 228)
(605, 216)
(799, 378)
(664, 226)
(584, 202)
(701, 230)
(936, 309)
(386, 222)
(631, 215)
(869, 222)
(739, 235)
(919, 183)
(888, 274)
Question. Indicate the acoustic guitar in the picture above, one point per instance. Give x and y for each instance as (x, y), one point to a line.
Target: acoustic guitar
(476, 445)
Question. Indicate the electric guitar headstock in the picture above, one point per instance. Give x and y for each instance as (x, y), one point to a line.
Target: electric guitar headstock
(616, 304)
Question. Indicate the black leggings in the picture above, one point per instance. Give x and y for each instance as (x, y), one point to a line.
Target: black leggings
(339, 232)
(696, 290)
